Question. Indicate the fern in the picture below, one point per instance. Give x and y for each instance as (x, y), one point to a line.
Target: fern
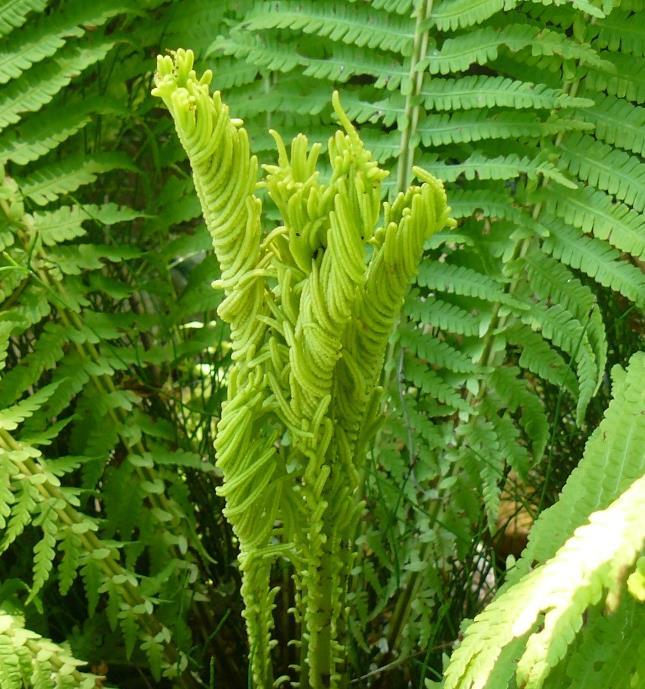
(530, 180)
(29, 660)
(531, 112)
(537, 615)
(14, 13)
(76, 326)
(308, 368)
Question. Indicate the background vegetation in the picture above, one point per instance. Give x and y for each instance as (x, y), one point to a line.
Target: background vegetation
(114, 362)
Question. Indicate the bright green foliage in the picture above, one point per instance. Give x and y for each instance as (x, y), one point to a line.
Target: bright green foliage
(310, 319)
(94, 471)
(30, 661)
(585, 548)
(531, 112)
(114, 363)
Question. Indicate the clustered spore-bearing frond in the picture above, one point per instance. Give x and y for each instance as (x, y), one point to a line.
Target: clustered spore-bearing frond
(310, 318)
(523, 144)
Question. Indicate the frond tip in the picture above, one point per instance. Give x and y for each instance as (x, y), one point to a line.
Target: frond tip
(176, 70)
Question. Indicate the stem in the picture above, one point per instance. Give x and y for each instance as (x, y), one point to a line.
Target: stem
(486, 359)
(412, 108)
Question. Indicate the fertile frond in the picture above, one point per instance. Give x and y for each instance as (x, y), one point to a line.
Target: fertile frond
(310, 321)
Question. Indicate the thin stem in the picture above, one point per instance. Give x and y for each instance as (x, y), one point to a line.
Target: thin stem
(412, 108)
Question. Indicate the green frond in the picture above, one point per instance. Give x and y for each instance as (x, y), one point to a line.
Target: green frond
(436, 352)
(49, 182)
(477, 165)
(437, 130)
(396, 6)
(342, 64)
(45, 549)
(31, 46)
(460, 14)
(38, 134)
(608, 652)
(538, 357)
(66, 222)
(71, 549)
(557, 324)
(442, 314)
(466, 203)
(479, 91)
(512, 446)
(559, 11)
(454, 279)
(76, 258)
(14, 13)
(553, 282)
(320, 335)
(516, 394)
(12, 417)
(595, 212)
(482, 46)
(233, 73)
(30, 661)
(431, 383)
(44, 38)
(612, 461)
(479, 46)
(351, 24)
(40, 84)
(622, 78)
(617, 122)
(606, 168)
(294, 97)
(620, 32)
(483, 446)
(588, 567)
(13, 148)
(597, 259)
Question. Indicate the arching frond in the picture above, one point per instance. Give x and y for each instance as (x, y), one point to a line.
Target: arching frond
(534, 620)
(475, 92)
(352, 24)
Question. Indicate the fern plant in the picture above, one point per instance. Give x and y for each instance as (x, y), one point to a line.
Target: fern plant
(103, 458)
(582, 560)
(29, 660)
(113, 361)
(310, 320)
(516, 106)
